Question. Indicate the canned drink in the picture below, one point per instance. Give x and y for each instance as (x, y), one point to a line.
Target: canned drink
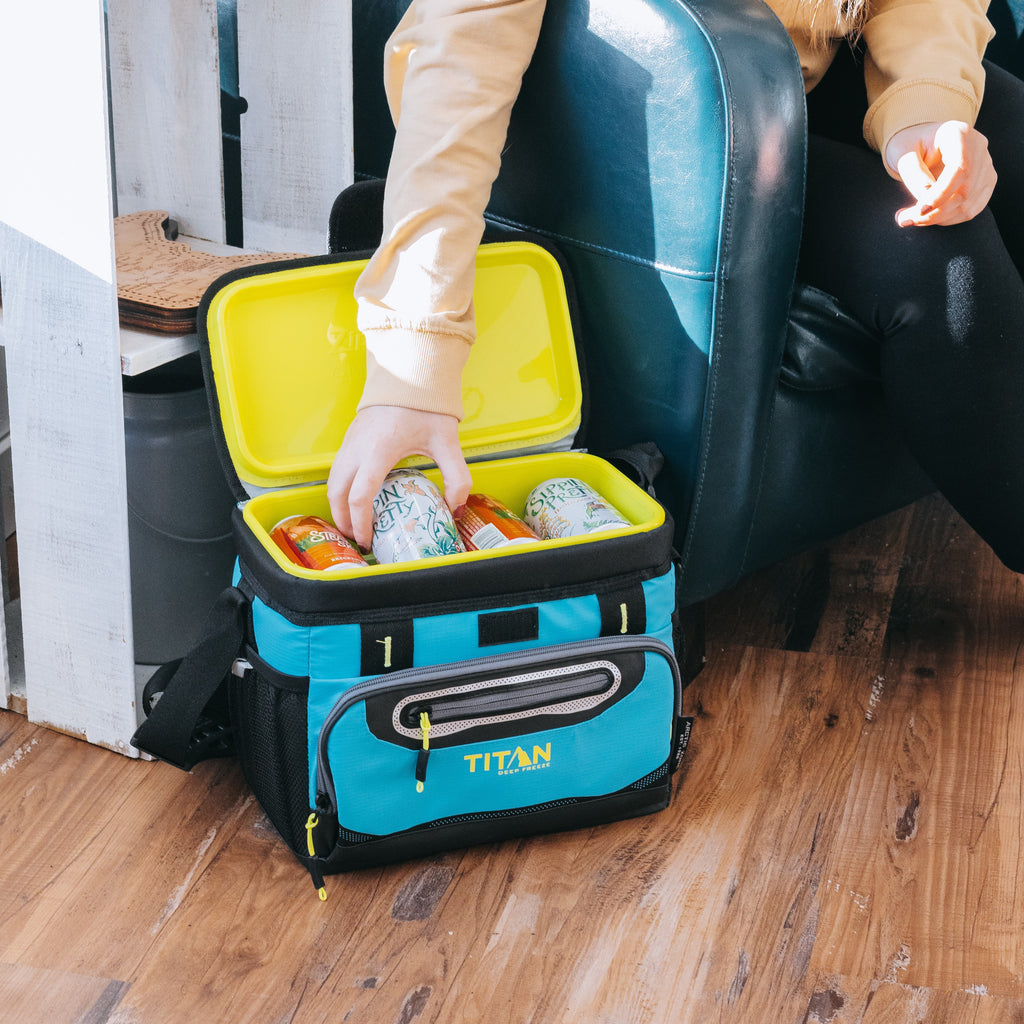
(314, 543)
(487, 524)
(568, 507)
(411, 520)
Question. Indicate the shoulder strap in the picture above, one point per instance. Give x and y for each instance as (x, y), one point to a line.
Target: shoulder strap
(641, 462)
(176, 729)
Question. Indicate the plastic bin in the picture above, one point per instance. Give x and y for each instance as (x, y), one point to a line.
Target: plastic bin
(179, 509)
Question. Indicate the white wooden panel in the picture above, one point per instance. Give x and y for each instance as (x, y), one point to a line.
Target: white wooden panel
(5, 669)
(40, 169)
(295, 72)
(165, 98)
(61, 343)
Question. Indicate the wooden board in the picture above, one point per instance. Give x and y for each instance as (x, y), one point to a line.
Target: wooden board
(62, 348)
(32, 995)
(165, 101)
(295, 73)
(160, 281)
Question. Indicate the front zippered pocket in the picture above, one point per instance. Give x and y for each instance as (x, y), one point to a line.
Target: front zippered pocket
(508, 698)
(506, 731)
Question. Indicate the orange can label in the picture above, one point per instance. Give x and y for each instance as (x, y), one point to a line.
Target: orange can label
(487, 523)
(314, 543)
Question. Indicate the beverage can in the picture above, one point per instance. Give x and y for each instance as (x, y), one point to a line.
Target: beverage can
(488, 523)
(568, 507)
(314, 543)
(411, 519)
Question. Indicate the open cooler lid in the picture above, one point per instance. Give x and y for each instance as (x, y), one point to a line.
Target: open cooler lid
(288, 364)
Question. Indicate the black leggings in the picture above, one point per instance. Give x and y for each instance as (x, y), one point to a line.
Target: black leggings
(947, 302)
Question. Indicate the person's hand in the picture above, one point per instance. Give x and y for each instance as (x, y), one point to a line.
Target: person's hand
(947, 168)
(378, 438)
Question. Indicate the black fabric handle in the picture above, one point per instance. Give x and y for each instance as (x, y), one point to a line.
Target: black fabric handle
(176, 730)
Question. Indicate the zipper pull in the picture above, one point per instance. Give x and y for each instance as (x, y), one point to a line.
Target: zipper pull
(424, 753)
(318, 879)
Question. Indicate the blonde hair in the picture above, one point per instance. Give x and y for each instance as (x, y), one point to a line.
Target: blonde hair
(827, 20)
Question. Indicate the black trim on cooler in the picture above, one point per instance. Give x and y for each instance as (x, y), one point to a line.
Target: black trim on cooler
(492, 827)
(385, 646)
(512, 626)
(623, 611)
(525, 577)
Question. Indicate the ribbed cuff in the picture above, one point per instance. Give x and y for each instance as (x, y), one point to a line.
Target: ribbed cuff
(916, 102)
(415, 369)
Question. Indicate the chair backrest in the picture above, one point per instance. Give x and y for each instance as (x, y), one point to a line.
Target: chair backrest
(660, 146)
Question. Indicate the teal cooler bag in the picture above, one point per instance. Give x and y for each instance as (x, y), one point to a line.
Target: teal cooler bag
(391, 711)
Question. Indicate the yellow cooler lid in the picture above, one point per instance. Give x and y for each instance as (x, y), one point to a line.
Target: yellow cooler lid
(288, 363)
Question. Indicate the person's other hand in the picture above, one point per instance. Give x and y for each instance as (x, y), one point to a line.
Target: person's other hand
(378, 438)
(947, 168)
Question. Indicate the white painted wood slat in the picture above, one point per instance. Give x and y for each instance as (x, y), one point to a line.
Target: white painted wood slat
(71, 662)
(165, 99)
(295, 72)
(63, 361)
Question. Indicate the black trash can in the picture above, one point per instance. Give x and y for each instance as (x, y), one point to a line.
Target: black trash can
(179, 509)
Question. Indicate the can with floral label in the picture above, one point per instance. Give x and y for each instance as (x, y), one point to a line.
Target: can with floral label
(314, 543)
(487, 523)
(568, 507)
(411, 520)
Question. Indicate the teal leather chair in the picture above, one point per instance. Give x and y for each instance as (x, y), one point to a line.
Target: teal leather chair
(660, 145)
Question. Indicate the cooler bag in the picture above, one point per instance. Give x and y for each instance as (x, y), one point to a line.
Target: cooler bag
(394, 710)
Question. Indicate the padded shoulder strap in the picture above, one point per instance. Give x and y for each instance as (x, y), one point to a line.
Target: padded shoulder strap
(641, 462)
(176, 729)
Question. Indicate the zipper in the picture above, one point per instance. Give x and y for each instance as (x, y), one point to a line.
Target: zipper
(445, 708)
(395, 681)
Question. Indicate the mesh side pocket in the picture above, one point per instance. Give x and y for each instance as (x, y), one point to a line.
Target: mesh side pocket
(269, 709)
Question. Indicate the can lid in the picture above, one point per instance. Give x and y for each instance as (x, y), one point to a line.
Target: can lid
(288, 363)
(281, 522)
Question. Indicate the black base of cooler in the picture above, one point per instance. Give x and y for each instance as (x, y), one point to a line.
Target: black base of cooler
(564, 817)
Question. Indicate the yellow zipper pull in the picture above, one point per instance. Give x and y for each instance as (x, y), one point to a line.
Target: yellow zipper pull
(318, 879)
(424, 753)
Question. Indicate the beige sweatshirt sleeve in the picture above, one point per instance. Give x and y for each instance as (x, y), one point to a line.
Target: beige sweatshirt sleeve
(923, 64)
(453, 70)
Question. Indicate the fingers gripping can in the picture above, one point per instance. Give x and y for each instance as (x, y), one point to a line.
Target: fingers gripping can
(313, 543)
(568, 507)
(411, 519)
(487, 523)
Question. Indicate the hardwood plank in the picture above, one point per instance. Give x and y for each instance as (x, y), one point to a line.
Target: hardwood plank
(924, 888)
(108, 868)
(833, 599)
(841, 1000)
(793, 722)
(903, 1004)
(30, 995)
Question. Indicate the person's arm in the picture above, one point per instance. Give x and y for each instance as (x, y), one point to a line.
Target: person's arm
(925, 83)
(453, 70)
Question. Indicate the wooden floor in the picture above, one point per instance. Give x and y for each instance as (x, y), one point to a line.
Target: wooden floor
(845, 845)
